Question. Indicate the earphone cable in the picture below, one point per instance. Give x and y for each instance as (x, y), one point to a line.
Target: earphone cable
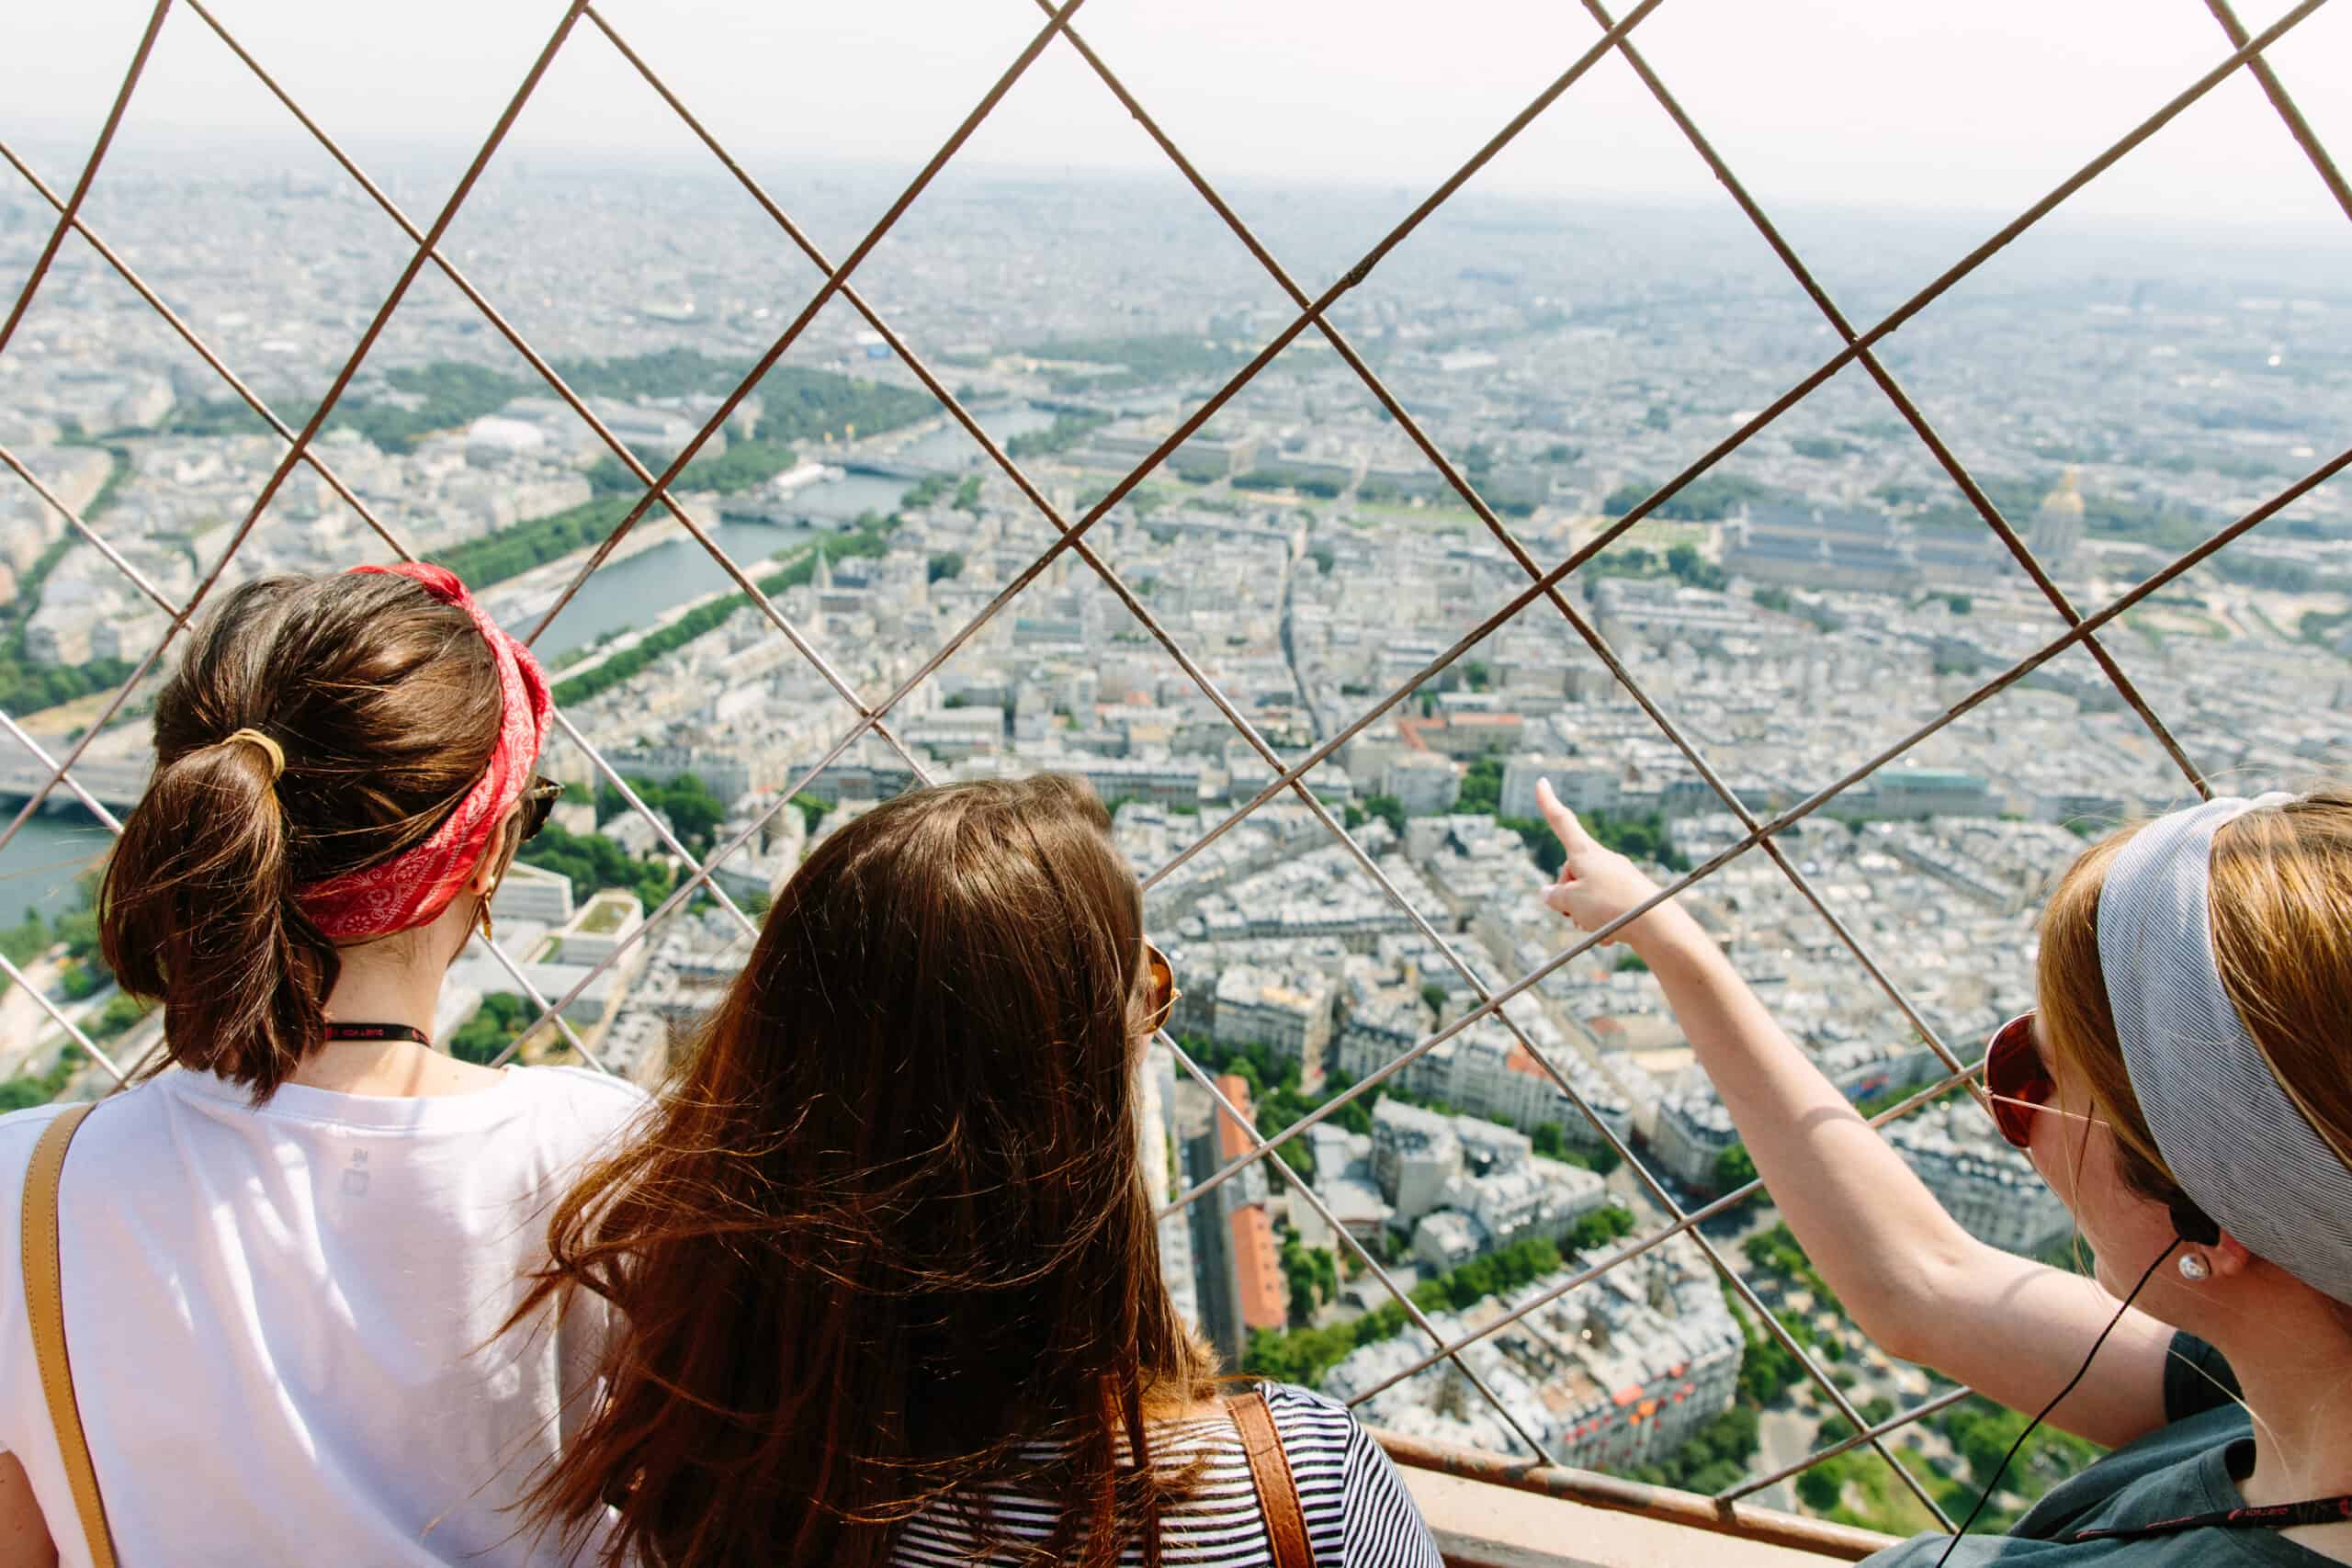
(1993, 1484)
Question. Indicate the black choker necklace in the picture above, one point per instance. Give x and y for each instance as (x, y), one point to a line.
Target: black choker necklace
(378, 1031)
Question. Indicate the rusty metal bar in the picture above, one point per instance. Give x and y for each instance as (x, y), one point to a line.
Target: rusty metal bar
(547, 1014)
(1118, 492)
(74, 755)
(1780, 405)
(319, 465)
(2276, 91)
(59, 1017)
(1299, 1184)
(188, 335)
(2151, 584)
(1462, 486)
(833, 281)
(1627, 1252)
(1593, 1490)
(326, 406)
(547, 371)
(89, 173)
(1919, 1412)
(1292, 778)
(50, 496)
(702, 874)
(90, 803)
(1904, 405)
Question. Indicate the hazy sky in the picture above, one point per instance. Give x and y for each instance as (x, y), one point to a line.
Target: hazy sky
(1868, 103)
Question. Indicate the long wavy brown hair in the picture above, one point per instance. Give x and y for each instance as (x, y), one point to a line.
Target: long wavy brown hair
(887, 1243)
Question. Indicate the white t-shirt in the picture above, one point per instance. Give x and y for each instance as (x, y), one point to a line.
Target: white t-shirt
(281, 1320)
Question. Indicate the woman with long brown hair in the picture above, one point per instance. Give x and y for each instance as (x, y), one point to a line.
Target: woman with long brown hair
(2182, 1086)
(251, 1324)
(887, 1260)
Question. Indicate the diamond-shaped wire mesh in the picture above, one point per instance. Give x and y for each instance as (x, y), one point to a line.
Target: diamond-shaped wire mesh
(1488, 1006)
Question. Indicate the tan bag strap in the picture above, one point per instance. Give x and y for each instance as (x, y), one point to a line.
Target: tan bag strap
(45, 1310)
(1270, 1473)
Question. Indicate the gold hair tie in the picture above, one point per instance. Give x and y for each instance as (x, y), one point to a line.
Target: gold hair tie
(277, 753)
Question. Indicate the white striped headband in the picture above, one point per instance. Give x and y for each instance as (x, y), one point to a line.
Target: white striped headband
(2235, 1138)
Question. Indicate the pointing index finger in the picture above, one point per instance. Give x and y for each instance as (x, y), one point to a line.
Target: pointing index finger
(1563, 822)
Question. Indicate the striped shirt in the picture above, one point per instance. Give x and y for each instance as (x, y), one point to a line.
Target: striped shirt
(1358, 1513)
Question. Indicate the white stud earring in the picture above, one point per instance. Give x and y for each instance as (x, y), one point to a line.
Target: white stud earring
(2194, 1266)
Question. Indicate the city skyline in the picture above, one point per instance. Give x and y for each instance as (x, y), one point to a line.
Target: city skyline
(1304, 92)
(1822, 593)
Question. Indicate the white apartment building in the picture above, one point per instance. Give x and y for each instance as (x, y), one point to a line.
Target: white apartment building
(1990, 1187)
(1414, 1155)
(1423, 781)
(1290, 1011)
(528, 893)
(1463, 1187)
(1692, 1132)
(1617, 1372)
(596, 933)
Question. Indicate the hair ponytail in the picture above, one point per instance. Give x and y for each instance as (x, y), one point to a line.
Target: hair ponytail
(199, 907)
(315, 726)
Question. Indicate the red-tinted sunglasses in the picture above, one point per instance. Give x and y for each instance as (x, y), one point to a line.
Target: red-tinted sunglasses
(1162, 999)
(2016, 1081)
(538, 801)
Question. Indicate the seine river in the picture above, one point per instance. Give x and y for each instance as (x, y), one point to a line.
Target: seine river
(631, 593)
(39, 866)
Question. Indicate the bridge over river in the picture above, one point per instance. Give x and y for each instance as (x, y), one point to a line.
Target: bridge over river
(894, 469)
(115, 786)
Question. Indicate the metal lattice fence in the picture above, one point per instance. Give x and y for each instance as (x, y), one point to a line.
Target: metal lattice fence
(2072, 624)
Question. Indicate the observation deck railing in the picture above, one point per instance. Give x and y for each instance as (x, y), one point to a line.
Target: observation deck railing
(1490, 1512)
(2071, 625)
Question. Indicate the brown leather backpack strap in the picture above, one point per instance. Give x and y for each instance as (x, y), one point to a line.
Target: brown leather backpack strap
(45, 1313)
(1270, 1473)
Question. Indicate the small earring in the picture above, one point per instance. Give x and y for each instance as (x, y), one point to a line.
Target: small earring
(2194, 1266)
(489, 928)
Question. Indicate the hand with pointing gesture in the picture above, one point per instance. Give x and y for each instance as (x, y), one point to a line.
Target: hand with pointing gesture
(1597, 884)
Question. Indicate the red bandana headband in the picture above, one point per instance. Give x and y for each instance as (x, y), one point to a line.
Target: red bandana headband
(416, 884)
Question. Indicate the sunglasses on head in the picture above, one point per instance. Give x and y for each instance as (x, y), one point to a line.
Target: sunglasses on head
(1161, 978)
(539, 800)
(2016, 1081)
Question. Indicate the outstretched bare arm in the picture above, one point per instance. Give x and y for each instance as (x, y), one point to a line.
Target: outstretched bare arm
(1914, 1281)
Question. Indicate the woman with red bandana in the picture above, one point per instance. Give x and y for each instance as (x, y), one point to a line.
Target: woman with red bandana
(256, 1318)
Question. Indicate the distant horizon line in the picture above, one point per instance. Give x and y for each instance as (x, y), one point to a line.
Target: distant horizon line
(189, 141)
